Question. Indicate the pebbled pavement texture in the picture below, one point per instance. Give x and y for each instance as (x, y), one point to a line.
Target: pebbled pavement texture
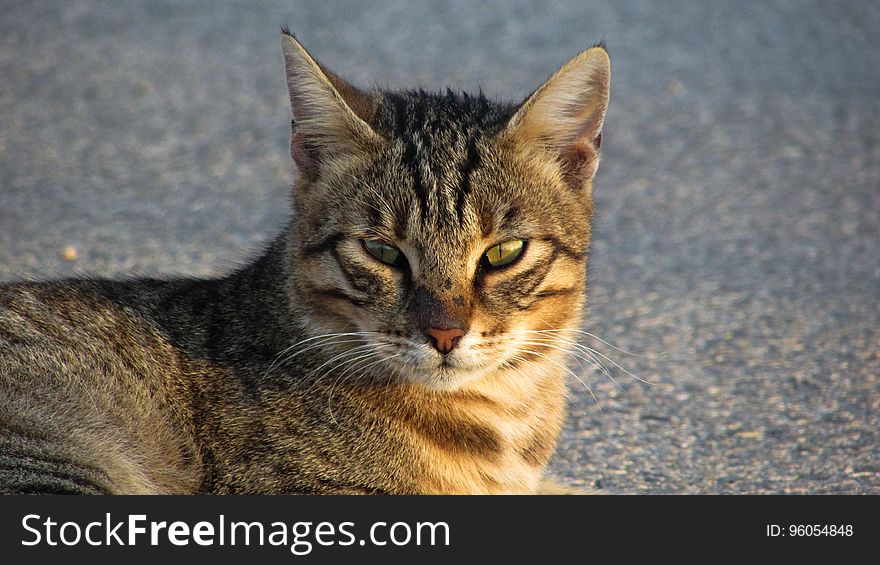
(737, 243)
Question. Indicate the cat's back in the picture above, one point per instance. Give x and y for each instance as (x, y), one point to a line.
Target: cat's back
(85, 379)
(72, 333)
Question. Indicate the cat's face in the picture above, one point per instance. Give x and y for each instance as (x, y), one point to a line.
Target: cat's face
(445, 237)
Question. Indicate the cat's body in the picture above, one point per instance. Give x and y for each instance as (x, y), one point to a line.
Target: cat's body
(176, 400)
(371, 349)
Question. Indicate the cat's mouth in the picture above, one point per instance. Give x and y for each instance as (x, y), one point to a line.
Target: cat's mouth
(407, 361)
(445, 372)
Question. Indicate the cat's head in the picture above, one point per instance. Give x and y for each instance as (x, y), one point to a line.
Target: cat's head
(451, 230)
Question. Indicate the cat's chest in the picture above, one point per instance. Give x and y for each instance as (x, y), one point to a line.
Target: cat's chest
(504, 469)
(491, 441)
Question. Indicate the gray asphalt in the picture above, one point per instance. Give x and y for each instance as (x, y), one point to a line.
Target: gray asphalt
(737, 244)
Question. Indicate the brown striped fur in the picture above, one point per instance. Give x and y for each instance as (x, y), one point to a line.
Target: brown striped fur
(309, 370)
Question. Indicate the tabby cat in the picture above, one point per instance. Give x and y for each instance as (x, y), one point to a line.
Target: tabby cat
(404, 334)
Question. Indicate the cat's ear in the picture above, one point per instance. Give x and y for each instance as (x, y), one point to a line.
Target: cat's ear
(330, 116)
(564, 116)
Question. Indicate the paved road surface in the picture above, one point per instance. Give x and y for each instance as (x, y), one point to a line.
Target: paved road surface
(738, 233)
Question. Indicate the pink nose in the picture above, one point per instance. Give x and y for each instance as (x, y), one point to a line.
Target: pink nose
(444, 339)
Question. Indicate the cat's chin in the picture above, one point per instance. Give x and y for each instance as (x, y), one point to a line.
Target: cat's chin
(440, 377)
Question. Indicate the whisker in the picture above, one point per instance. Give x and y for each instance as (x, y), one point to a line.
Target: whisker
(593, 336)
(588, 356)
(348, 357)
(616, 364)
(554, 361)
(592, 361)
(323, 337)
(327, 343)
(353, 363)
(352, 357)
(590, 350)
(590, 390)
(362, 371)
(347, 353)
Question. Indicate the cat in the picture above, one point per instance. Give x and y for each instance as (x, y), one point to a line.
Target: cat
(405, 334)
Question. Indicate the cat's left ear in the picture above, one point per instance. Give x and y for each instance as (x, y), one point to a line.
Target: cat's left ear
(564, 116)
(330, 116)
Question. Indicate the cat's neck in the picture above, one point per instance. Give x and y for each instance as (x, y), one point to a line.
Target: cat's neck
(243, 318)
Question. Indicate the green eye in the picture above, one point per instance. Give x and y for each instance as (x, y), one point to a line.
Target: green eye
(504, 253)
(385, 253)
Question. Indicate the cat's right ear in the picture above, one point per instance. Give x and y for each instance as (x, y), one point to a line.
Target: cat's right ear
(564, 116)
(330, 116)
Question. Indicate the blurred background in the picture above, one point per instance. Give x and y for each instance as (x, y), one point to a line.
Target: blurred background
(737, 242)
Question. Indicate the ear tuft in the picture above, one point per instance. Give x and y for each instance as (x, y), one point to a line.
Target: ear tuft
(565, 115)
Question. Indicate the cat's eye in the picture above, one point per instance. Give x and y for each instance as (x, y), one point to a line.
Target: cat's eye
(504, 253)
(383, 252)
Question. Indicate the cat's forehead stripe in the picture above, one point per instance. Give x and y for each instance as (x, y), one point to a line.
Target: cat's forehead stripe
(440, 138)
(471, 161)
(410, 155)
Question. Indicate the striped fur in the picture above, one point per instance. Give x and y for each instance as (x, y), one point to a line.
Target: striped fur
(309, 370)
